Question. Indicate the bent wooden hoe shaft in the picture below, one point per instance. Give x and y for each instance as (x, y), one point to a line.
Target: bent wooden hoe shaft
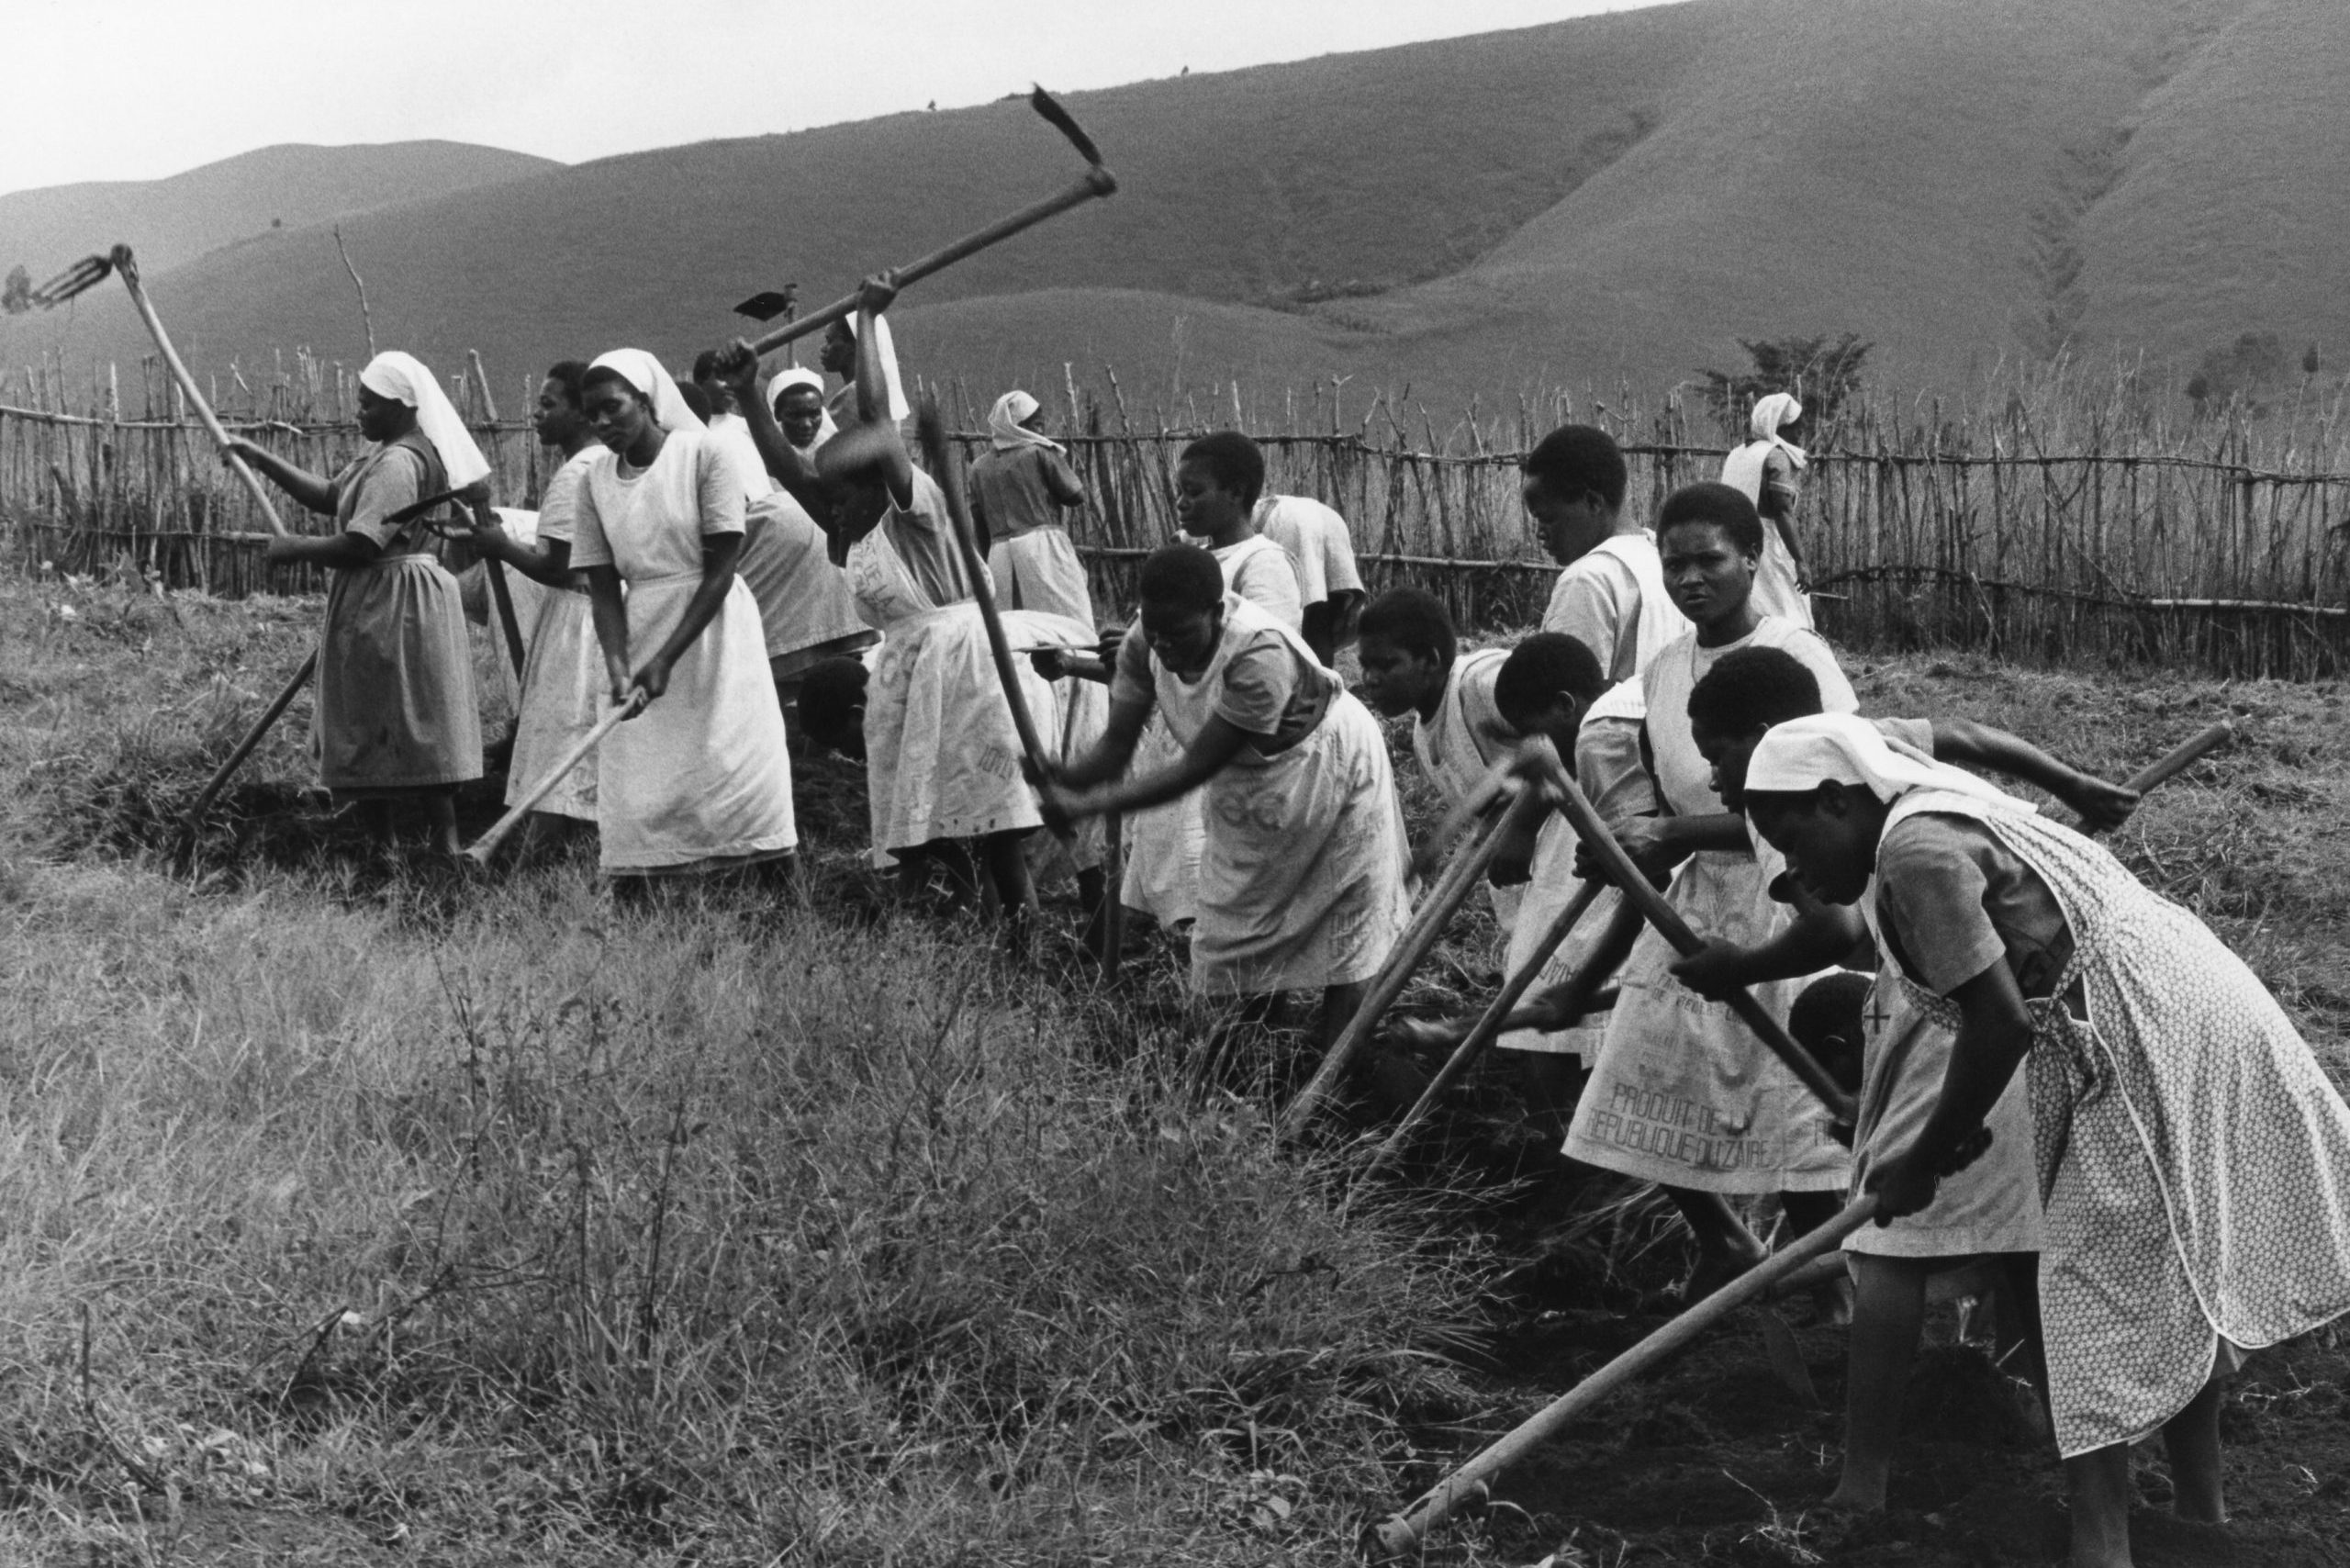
(486, 845)
(127, 265)
(1597, 837)
(1419, 938)
(1096, 183)
(269, 716)
(1405, 1532)
(1491, 1022)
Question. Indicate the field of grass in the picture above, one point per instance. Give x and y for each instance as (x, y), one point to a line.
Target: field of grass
(350, 1213)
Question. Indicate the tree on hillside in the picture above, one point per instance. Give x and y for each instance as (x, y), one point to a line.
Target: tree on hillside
(2253, 369)
(1821, 372)
(16, 294)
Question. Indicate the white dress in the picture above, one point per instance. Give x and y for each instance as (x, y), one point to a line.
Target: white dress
(700, 781)
(941, 754)
(563, 686)
(1301, 877)
(1162, 874)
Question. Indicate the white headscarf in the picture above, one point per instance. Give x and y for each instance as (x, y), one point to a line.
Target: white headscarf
(1005, 429)
(1801, 754)
(402, 376)
(1770, 413)
(642, 371)
(887, 349)
(800, 375)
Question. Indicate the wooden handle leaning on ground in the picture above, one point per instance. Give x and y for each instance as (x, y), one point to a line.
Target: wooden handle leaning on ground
(127, 265)
(1419, 937)
(1601, 840)
(1491, 1022)
(949, 472)
(486, 845)
(1404, 1532)
(269, 716)
(2186, 755)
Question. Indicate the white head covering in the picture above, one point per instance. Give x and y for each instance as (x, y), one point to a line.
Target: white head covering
(898, 407)
(1770, 413)
(1005, 429)
(642, 371)
(800, 375)
(1801, 754)
(403, 376)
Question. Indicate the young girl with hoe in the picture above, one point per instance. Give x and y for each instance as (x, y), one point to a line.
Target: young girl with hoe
(395, 717)
(2157, 1065)
(1991, 1211)
(697, 781)
(943, 759)
(562, 672)
(1681, 1093)
(1218, 481)
(1301, 873)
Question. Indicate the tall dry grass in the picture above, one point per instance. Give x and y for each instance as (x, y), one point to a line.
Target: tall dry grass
(505, 1227)
(2059, 514)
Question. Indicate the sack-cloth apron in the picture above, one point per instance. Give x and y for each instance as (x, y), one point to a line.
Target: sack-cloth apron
(1301, 872)
(1682, 1093)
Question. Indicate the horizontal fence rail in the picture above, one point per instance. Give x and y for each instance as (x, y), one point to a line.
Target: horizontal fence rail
(1914, 537)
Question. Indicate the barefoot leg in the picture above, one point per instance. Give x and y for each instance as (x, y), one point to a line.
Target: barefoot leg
(2098, 1483)
(2191, 1438)
(1889, 1309)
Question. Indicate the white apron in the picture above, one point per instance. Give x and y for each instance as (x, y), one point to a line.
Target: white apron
(699, 781)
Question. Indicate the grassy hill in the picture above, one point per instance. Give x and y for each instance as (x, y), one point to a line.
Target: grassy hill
(1615, 197)
(177, 219)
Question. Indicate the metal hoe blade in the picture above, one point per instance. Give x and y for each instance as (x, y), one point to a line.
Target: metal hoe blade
(80, 278)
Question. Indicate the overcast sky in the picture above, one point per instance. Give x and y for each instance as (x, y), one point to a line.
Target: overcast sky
(138, 89)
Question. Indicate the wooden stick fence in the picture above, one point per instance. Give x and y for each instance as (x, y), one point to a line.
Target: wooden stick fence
(2198, 548)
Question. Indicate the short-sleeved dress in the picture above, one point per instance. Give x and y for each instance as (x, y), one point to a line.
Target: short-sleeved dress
(1301, 877)
(1612, 776)
(1612, 601)
(1163, 842)
(807, 610)
(1318, 543)
(1019, 492)
(395, 710)
(700, 781)
(563, 685)
(2194, 1159)
(1993, 1205)
(1463, 742)
(1762, 468)
(1681, 1093)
